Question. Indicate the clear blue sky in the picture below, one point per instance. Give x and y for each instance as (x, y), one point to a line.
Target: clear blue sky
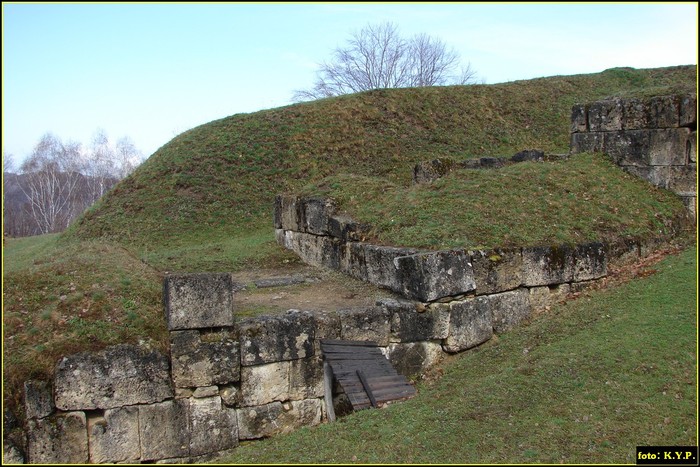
(150, 71)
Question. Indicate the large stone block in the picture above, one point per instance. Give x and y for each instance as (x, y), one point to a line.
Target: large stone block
(164, 430)
(579, 119)
(605, 115)
(431, 276)
(497, 270)
(213, 426)
(380, 266)
(114, 437)
(587, 142)
(317, 212)
(195, 301)
(306, 378)
(58, 439)
(365, 324)
(413, 359)
(286, 212)
(630, 147)
(688, 111)
(547, 265)
(117, 376)
(353, 261)
(315, 250)
(634, 113)
(683, 180)
(656, 175)
(509, 309)
(471, 324)
(343, 227)
(266, 383)
(407, 325)
(663, 111)
(204, 359)
(669, 146)
(277, 418)
(268, 339)
(38, 399)
(590, 262)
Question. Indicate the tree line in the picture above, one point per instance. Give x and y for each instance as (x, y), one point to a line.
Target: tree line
(59, 180)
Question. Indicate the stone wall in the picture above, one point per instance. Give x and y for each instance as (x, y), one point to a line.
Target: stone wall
(652, 138)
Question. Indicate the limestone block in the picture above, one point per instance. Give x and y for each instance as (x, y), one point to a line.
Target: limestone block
(306, 378)
(164, 430)
(543, 297)
(628, 147)
(497, 270)
(471, 323)
(315, 250)
(579, 119)
(268, 339)
(114, 437)
(276, 418)
(117, 376)
(213, 427)
(430, 276)
(407, 325)
(683, 180)
(266, 383)
(58, 439)
(197, 363)
(656, 175)
(634, 113)
(547, 265)
(205, 391)
(317, 212)
(327, 324)
(605, 115)
(380, 266)
(662, 112)
(688, 111)
(202, 300)
(509, 309)
(669, 146)
(587, 142)
(365, 324)
(343, 227)
(590, 262)
(413, 359)
(286, 212)
(38, 399)
(353, 261)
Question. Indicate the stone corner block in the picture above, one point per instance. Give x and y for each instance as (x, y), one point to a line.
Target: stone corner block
(471, 324)
(269, 339)
(202, 300)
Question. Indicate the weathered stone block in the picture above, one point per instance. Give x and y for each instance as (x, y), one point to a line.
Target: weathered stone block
(634, 113)
(213, 427)
(286, 214)
(579, 119)
(430, 276)
(471, 323)
(343, 227)
(683, 180)
(605, 115)
(688, 111)
(58, 439)
(656, 175)
(314, 249)
(590, 262)
(317, 212)
(428, 171)
(276, 418)
(205, 391)
(230, 395)
(509, 309)
(407, 325)
(115, 436)
(365, 324)
(587, 142)
(547, 265)
(164, 430)
(198, 300)
(117, 376)
(266, 383)
(353, 261)
(198, 363)
(306, 378)
(268, 339)
(11, 454)
(662, 112)
(543, 297)
(414, 358)
(628, 147)
(669, 146)
(38, 399)
(380, 266)
(497, 270)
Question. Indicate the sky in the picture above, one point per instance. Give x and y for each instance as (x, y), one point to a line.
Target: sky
(150, 71)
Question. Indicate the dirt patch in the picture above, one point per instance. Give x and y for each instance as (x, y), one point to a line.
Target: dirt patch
(302, 287)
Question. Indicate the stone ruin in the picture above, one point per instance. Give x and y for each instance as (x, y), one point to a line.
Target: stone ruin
(228, 379)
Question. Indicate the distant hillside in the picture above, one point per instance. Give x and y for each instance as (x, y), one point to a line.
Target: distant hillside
(218, 181)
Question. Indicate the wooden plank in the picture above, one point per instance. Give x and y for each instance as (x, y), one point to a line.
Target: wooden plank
(328, 391)
(368, 390)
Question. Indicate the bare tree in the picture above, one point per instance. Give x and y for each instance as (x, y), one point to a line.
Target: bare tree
(378, 57)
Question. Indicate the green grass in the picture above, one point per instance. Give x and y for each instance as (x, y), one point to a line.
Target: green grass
(585, 198)
(585, 383)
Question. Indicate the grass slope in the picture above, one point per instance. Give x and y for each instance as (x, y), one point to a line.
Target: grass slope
(585, 383)
(215, 184)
